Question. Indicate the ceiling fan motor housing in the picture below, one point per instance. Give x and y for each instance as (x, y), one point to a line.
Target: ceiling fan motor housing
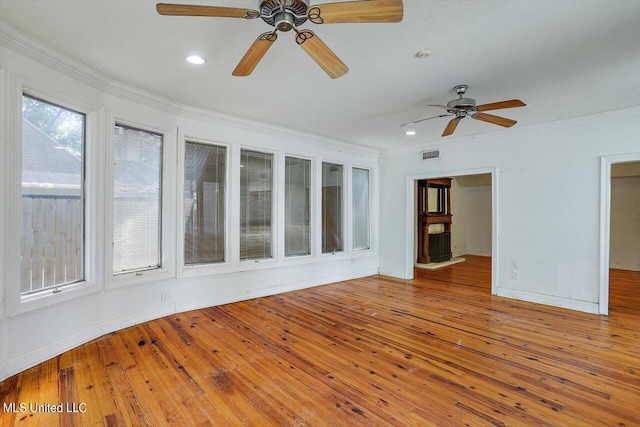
(462, 105)
(284, 14)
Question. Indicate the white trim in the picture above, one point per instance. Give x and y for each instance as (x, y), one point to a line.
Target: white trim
(244, 124)
(218, 299)
(10, 93)
(191, 270)
(15, 303)
(274, 205)
(400, 274)
(346, 249)
(370, 210)
(282, 256)
(23, 44)
(605, 224)
(571, 304)
(167, 266)
(410, 218)
(34, 49)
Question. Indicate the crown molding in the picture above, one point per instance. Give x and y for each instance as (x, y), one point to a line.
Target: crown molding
(34, 49)
(23, 44)
(222, 119)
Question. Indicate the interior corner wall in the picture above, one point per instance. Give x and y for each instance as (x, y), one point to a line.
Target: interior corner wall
(471, 228)
(478, 228)
(548, 198)
(625, 223)
(459, 219)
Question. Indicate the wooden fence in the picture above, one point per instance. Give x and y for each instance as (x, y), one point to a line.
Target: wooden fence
(52, 242)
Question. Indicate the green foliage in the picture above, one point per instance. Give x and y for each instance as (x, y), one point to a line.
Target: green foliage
(64, 126)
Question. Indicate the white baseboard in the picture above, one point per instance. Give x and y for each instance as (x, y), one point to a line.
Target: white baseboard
(399, 274)
(585, 306)
(211, 301)
(47, 351)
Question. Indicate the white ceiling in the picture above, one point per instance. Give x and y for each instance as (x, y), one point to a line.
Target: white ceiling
(564, 58)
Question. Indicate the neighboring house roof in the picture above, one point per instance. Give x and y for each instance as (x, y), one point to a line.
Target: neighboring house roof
(45, 162)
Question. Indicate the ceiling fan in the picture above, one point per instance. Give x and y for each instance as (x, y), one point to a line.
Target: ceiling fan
(463, 107)
(287, 15)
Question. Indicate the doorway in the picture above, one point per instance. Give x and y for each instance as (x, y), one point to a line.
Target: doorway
(474, 188)
(619, 225)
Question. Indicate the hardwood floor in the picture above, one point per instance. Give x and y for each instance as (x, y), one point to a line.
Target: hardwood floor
(438, 350)
(624, 289)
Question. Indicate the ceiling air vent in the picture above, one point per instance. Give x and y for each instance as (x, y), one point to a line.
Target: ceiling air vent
(428, 155)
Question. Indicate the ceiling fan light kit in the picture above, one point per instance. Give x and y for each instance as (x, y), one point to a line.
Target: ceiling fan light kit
(463, 107)
(287, 15)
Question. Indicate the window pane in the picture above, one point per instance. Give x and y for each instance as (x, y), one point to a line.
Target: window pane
(297, 207)
(360, 209)
(52, 238)
(256, 182)
(332, 239)
(204, 203)
(137, 192)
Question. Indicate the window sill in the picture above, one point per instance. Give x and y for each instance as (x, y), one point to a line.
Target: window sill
(138, 277)
(49, 297)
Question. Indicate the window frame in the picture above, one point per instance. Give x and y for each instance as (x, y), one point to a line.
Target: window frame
(275, 196)
(167, 201)
(83, 191)
(346, 245)
(11, 93)
(369, 211)
(312, 212)
(208, 268)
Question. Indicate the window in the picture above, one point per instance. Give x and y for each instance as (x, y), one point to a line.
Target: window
(256, 183)
(332, 212)
(53, 214)
(297, 201)
(204, 203)
(360, 209)
(137, 196)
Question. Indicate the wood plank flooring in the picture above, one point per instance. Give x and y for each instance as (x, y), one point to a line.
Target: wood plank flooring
(438, 350)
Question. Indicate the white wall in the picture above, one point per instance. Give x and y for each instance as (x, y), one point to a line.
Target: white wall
(459, 210)
(547, 185)
(478, 216)
(625, 223)
(33, 331)
(471, 208)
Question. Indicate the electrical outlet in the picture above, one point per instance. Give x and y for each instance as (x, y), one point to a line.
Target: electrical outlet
(514, 263)
(514, 275)
(163, 297)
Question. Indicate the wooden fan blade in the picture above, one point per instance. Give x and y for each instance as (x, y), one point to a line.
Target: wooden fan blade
(496, 120)
(512, 103)
(320, 52)
(363, 11)
(216, 11)
(453, 123)
(254, 54)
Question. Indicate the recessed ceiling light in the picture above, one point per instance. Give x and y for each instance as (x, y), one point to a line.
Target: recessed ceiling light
(424, 53)
(196, 59)
(410, 132)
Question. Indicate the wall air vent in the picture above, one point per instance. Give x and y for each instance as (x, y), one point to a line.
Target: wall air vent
(429, 155)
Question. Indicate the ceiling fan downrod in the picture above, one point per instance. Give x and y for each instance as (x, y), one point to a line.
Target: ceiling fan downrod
(461, 106)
